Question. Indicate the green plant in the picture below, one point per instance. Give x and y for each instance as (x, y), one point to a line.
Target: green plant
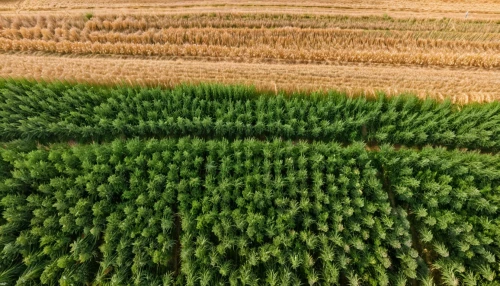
(88, 15)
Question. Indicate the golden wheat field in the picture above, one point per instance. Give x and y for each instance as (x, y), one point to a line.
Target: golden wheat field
(427, 47)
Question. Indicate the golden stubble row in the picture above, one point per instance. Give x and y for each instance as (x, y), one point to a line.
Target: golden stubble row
(482, 9)
(141, 22)
(259, 53)
(461, 85)
(164, 36)
(296, 38)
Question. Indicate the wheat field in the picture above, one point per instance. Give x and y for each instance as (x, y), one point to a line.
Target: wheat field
(481, 9)
(427, 47)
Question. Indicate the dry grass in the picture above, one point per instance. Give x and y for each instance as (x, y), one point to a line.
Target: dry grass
(317, 38)
(273, 45)
(462, 85)
(265, 53)
(272, 42)
(481, 9)
(133, 22)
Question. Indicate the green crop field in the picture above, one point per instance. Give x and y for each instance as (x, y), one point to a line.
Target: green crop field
(83, 113)
(224, 185)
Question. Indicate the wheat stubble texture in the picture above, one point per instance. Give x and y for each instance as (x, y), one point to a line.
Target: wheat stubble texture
(480, 9)
(464, 85)
(424, 47)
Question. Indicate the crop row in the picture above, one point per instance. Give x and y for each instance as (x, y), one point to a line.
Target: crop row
(63, 112)
(444, 28)
(284, 38)
(197, 212)
(337, 39)
(262, 53)
(452, 200)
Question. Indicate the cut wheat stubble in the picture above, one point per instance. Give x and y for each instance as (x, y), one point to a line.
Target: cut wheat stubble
(135, 36)
(432, 57)
(481, 9)
(461, 85)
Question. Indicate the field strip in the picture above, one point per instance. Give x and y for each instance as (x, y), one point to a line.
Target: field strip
(483, 9)
(118, 22)
(462, 85)
(366, 26)
(262, 54)
(288, 40)
(440, 57)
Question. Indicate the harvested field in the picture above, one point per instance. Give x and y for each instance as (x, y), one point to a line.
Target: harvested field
(480, 9)
(274, 45)
(462, 85)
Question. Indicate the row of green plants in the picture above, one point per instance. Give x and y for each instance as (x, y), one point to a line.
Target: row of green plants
(58, 112)
(283, 214)
(452, 199)
(89, 214)
(191, 211)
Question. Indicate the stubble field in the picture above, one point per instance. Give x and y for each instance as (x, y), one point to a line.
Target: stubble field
(428, 48)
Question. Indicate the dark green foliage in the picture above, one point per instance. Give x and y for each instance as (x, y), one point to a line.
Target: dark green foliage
(452, 199)
(60, 112)
(13, 209)
(414, 122)
(281, 213)
(248, 212)
(286, 205)
(89, 213)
